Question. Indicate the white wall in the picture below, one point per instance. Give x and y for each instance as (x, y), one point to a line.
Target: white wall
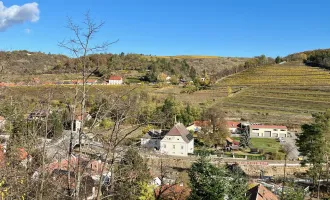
(174, 145)
(115, 82)
(191, 146)
(274, 132)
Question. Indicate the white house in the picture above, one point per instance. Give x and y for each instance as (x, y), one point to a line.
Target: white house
(269, 131)
(115, 80)
(177, 142)
(152, 139)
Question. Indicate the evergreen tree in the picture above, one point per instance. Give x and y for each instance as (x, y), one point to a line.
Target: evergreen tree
(206, 181)
(278, 59)
(245, 138)
(131, 173)
(212, 183)
(238, 184)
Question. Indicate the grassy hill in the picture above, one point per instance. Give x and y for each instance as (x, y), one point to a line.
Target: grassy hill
(287, 93)
(29, 64)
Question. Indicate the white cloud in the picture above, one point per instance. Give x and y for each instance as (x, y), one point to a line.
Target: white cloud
(27, 31)
(18, 14)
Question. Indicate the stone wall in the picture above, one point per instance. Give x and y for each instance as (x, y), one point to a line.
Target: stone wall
(251, 168)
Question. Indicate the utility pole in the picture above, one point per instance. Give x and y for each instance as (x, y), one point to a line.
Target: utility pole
(288, 150)
(282, 196)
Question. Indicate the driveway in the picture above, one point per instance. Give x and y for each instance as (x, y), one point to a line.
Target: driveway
(290, 146)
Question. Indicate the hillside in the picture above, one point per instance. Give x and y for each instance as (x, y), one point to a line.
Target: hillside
(287, 93)
(210, 63)
(24, 62)
(37, 63)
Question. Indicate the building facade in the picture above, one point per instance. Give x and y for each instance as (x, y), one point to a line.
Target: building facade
(177, 142)
(152, 139)
(268, 131)
(115, 80)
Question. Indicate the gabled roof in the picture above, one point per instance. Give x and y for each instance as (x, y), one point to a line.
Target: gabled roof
(156, 134)
(180, 130)
(259, 192)
(115, 78)
(229, 139)
(269, 126)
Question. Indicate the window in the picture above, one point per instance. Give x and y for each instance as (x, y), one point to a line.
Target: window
(173, 146)
(255, 129)
(165, 146)
(275, 129)
(282, 130)
(181, 146)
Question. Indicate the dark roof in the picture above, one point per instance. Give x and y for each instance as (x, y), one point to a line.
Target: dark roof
(62, 172)
(180, 130)
(156, 134)
(38, 113)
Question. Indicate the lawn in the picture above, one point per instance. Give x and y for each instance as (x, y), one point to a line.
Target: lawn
(267, 144)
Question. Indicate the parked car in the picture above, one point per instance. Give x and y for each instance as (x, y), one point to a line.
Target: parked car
(280, 139)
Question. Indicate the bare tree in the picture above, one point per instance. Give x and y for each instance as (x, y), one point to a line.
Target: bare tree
(80, 46)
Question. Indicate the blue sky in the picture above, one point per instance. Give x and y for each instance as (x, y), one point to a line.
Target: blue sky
(181, 27)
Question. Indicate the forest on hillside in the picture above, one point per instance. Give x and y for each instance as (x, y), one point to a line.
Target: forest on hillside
(319, 57)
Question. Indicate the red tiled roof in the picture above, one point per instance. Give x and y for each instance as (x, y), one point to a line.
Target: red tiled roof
(91, 80)
(22, 153)
(174, 192)
(259, 192)
(115, 78)
(269, 126)
(180, 130)
(2, 155)
(201, 123)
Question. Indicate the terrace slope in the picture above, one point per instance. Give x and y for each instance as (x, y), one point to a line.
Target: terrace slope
(287, 93)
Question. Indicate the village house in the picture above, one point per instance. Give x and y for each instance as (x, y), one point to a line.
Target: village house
(92, 172)
(115, 80)
(152, 139)
(259, 192)
(269, 131)
(177, 142)
(91, 82)
(38, 114)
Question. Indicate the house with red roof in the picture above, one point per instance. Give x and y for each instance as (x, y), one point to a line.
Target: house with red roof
(259, 192)
(91, 81)
(174, 192)
(268, 131)
(115, 80)
(177, 142)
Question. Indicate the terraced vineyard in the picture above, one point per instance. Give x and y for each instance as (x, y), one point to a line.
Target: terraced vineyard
(290, 89)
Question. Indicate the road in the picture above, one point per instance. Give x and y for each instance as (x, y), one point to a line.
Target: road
(59, 148)
(290, 145)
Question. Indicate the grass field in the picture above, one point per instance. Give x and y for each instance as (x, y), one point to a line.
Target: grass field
(291, 89)
(267, 144)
